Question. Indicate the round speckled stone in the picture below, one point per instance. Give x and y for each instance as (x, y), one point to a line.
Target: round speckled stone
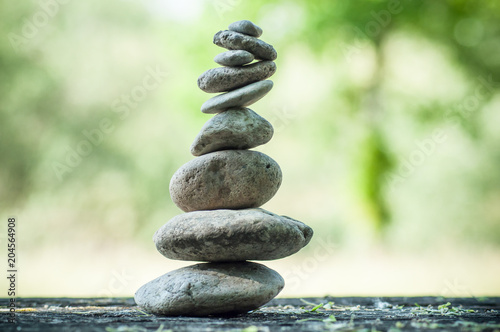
(228, 179)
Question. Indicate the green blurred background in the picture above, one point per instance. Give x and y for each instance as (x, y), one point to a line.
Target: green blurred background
(386, 121)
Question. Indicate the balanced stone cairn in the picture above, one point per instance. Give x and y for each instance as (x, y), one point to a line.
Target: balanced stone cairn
(221, 190)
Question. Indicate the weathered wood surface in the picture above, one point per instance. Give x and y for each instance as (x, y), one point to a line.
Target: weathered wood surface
(335, 314)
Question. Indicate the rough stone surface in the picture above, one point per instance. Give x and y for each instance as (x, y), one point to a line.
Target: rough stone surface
(234, 129)
(210, 288)
(244, 96)
(233, 40)
(229, 179)
(231, 235)
(229, 78)
(234, 58)
(246, 27)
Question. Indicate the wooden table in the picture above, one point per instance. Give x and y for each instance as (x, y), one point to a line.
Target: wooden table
(282, 314)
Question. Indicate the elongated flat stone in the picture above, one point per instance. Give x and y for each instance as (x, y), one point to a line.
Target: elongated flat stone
(210, 289)
(229, 179)
(246, 27)
(244, 96)
(229, 78)
(234, 129)
(233, 40)
(234, 58)
(231, 235)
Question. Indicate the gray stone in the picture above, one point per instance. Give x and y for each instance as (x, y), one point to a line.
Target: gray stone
(210, 289)
(234, 129)
(234, 58)
(244, 96)
(231, 235)
(229, 179)
(229, 78)
(237, 41)
(246, 27)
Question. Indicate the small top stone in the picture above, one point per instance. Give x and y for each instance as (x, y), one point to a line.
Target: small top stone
(234, 58)
(246, 27)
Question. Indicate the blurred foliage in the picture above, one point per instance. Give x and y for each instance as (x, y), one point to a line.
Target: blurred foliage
(383, 75)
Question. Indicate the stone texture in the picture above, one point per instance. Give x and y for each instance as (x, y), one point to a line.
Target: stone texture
(244, 96)
(246, 27)
(231, 235)
(234, 58)
(237, 41)
(229, 78)
(229, 179)
(234, 129)
(210, 289)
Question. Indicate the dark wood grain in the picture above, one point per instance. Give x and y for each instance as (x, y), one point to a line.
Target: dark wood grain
(343, 314)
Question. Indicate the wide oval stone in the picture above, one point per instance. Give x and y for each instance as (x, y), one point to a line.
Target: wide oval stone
(231, 235)
(229, 179)
(234, 58)
(210, 289)
(244, 96)
(234, 129)
(246, 27)
(229, 78)
(233, 40)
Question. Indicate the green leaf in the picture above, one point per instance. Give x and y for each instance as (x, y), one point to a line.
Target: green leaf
(443, 306)
(317, 307)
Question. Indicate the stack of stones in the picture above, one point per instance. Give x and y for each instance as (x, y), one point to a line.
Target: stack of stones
(221, 190)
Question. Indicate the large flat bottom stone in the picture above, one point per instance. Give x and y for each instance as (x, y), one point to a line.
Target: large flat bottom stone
(210, 289)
